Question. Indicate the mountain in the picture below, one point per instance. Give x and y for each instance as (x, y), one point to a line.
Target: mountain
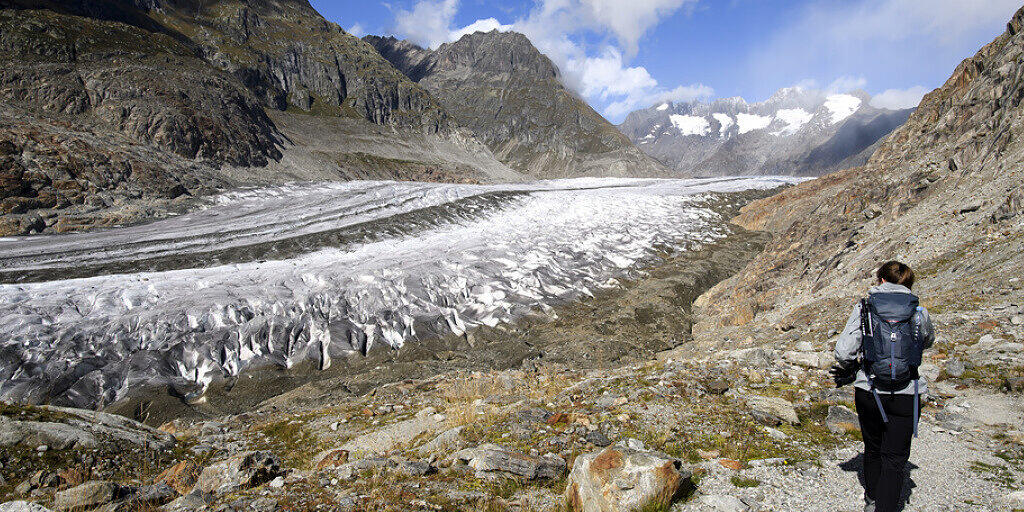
(942, 193)
(798, 132)
(118, 111)
(509, 95)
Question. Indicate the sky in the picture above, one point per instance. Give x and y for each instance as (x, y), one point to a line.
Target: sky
(623, 55)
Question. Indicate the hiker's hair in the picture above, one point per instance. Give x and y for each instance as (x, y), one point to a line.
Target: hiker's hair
(897, 273)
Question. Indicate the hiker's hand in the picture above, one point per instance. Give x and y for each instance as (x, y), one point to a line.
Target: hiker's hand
(844, 373)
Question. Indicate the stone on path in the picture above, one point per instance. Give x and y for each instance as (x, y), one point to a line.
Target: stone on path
(771, 410)
(841, 419)
(619, 479)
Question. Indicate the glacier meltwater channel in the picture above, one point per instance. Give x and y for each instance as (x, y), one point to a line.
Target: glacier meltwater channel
(311, 272)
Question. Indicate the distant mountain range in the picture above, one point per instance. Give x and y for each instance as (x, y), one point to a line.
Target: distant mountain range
(798, 131)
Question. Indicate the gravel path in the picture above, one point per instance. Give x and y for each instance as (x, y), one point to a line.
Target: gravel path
(944, 473)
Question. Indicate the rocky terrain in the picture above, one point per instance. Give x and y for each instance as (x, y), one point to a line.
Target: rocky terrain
(510, 96)
(796, 132)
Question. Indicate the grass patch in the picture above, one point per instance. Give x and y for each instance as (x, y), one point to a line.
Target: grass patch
(744, 482)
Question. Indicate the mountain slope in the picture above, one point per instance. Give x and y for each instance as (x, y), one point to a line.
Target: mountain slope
(797, 131)
(509, 95)
(941, 193)
(119, 111)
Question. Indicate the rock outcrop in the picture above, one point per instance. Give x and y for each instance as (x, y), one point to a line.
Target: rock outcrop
(499, 86)
(940, 194)
(796, 132)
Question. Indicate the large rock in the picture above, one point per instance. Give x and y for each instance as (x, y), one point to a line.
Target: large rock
(181, 477)
(398, 434)
(493, 460)
(22, 506)
(63, 428)
(771, 410)
(239, 472)
(87, 495)
(620, 480)
(841, 419)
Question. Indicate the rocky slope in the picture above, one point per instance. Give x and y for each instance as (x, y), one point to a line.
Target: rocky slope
(796, 132)
(509, 95)
(117, 112)
(942, 193)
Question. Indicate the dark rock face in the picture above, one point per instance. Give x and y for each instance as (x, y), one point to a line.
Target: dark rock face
(937, 194)
(147, 86)
(796, 132)
(508, 94)
(291, 57)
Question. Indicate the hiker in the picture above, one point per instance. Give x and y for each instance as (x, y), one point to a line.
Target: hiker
(879, 351)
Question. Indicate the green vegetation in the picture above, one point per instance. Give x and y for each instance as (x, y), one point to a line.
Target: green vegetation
(744, 482)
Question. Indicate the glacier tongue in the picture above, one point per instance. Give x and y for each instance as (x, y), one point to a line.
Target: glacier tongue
(311, 272)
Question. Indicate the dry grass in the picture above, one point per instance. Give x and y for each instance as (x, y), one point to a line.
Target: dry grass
(471, 398)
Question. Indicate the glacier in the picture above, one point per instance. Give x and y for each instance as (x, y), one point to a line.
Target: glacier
(310, 272)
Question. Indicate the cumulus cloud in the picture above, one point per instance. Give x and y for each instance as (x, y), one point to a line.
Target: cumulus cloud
(896, 99)
(847, 84)
(357, 30)
(556, 27)
(878, 37)
(428, 23)
(484, 25)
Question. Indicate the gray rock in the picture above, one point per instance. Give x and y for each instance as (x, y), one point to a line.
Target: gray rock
(22, 506)
(805, 346)
(771, 410)
(152, 495)
(955, 368)
(414, 468)
(354, 469)
(841, 419)
(490, 460)
(952, 421)
(597, 438)
(723, 503)
(621, 480)
(79, 428)
(534, 415)
(87, 495)
(191, 502)
(1013, 500)
(238, 472)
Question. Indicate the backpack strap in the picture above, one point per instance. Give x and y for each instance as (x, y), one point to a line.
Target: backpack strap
(865, 319)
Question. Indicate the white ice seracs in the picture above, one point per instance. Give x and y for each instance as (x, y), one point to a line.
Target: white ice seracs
(435, 258)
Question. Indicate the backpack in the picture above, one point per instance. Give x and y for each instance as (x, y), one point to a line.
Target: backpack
(891, 340)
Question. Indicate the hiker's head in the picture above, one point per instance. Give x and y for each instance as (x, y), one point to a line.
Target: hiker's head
(896, 272)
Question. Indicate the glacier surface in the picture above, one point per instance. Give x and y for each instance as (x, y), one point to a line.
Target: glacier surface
(314, 272)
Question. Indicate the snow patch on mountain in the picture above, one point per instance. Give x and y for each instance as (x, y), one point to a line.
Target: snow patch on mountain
(726, 121)
(751, 122)
(691, 125)
(795, 118)
(841, 106)
(663, 107)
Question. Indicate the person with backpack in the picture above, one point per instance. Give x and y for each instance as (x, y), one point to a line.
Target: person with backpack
(879, 351)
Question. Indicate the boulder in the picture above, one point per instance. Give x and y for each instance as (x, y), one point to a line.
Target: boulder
(619, 479)
(492, 460)
(771, 410)
(841, 419)
(181, 476)
(395, 435)
(239, 472)
(597, 438)
(955, 368)
(22, 506)
(88, 495)
(67, 428)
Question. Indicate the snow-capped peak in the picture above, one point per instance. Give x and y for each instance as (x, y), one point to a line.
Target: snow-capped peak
(841, 106)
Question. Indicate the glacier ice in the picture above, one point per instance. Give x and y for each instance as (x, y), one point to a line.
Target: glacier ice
(309, 272)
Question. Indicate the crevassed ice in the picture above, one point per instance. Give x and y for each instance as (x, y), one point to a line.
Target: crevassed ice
(92, 340)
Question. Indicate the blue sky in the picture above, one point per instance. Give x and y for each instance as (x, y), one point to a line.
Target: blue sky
(621, 55)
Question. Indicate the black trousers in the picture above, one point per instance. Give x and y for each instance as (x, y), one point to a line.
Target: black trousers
(886, 446)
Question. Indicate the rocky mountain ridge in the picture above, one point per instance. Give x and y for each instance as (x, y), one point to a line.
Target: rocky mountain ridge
(509, 95)
(798, 131)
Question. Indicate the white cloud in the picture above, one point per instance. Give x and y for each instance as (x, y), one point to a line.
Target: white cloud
(878, 38)
(895, 99)
(428, 23)
(555, 27)
(847, 83)
(357, 30)
(484, 25)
